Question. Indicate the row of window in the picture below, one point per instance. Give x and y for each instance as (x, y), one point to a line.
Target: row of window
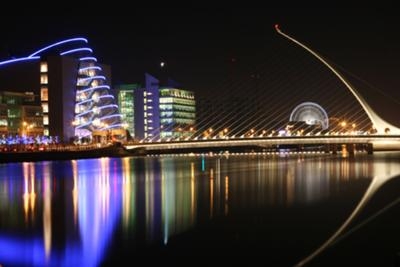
(44, 95)
(171, 100)
(177, 114)
(177, 107)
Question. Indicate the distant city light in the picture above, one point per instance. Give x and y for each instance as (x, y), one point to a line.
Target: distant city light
(162, 64)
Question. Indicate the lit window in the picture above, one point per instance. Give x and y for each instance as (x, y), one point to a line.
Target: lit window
(45, 107)
(82, 96)
(46, 131)
(96, 97)
(44, 94)
(43, 67)
(44, 79)
(45, 120)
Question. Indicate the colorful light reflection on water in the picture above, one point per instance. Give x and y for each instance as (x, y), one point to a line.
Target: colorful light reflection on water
(67, 213)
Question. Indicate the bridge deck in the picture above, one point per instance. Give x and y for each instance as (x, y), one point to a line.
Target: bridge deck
(379, 142)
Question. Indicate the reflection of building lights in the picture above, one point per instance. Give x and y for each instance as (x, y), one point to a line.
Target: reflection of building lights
(226, 195)
(47, 232)
(75, 190)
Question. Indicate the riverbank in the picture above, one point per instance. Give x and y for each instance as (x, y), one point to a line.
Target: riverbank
(64, 154)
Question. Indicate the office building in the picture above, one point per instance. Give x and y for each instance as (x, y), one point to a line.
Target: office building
(125, 96)
(156, 112)
(20, 114)
(177, 113)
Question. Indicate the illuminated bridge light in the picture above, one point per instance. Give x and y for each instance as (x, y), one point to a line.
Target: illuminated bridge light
(76, 50)
(88, 59)
(58, 44)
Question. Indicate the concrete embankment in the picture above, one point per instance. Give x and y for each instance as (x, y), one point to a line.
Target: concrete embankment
(109, 151)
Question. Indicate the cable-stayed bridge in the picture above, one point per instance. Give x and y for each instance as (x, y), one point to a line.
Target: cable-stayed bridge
(328, 143)
(252, 113)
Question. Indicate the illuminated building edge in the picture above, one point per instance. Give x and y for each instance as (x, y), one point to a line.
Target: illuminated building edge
(95, 109)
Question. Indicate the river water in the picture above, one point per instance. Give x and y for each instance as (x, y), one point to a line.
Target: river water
(221, 210)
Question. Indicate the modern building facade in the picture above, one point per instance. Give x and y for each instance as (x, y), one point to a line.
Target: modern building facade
(157, 112)
(147, 109)
(126, 95)
(20, 114)
(177, 113)
(73, 89)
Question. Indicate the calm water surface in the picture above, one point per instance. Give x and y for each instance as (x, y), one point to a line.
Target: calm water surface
(240, 210)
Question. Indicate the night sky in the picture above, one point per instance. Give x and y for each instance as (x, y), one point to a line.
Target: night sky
(200, 45)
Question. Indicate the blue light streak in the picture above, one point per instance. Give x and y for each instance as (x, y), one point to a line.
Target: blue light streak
(110, 116)
(91, 68)
(84, 101)
(84, 113)
(100, 108)
(83, 125)
(90, 100)
(106, 96)
(92, 78)
(17, 60)
(59, 43)
(118, 125)
(94, 88)
(76, 50)
(88, 58)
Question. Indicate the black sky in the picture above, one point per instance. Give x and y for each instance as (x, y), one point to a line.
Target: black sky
(199, 44)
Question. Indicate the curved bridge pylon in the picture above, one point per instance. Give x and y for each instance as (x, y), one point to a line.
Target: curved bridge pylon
(381, 126)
